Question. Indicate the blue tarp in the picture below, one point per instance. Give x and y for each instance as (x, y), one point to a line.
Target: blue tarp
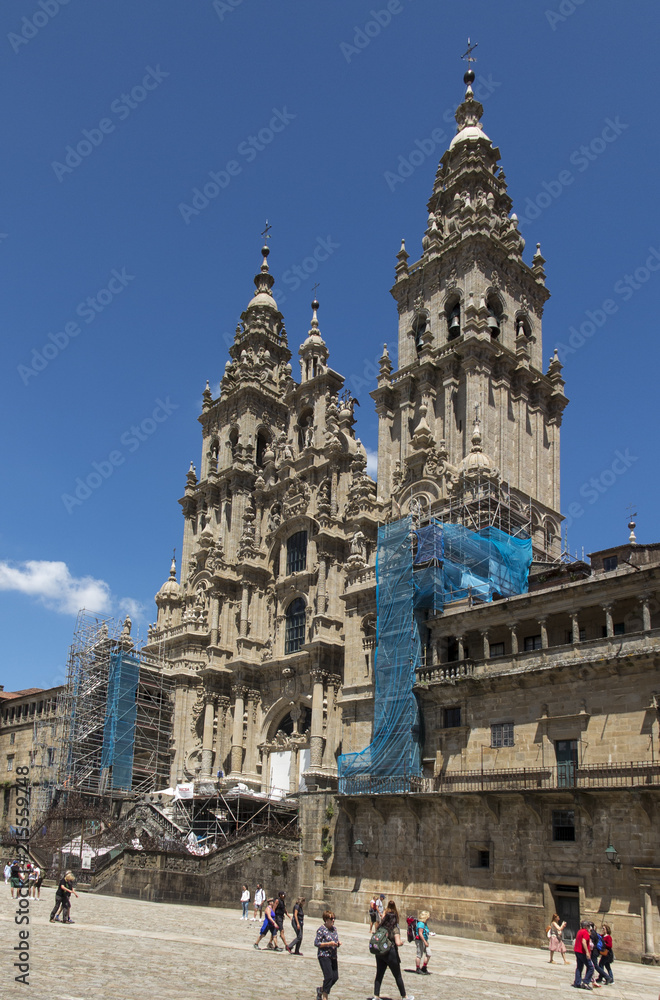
(120, 715)
(450, 562)
(394, 749)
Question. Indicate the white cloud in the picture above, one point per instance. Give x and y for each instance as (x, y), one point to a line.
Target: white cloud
(372, 463)
(53, 585)
(128, 606)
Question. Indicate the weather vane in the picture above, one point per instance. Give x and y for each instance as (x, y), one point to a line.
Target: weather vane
(467, 55)
(314, 287)
(266, 232)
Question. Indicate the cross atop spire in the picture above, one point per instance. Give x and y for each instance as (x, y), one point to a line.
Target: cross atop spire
(266, 232)
(467, 55)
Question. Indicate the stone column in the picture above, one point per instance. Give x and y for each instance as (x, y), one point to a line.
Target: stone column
(609, 621)
(575, 627)
(321, 601)
(334, 480)
(265, 776)
(485, 643)
(460, 641)
(293, 773)
(215, 618)
(543, 622)
(223, 708)
(207, 738)
(334, 681)
(253, 699)
(316, 739)
(319, 872)
(647, 920)
(238, 691)
(645, 601)
(513, 632)
(245, 599)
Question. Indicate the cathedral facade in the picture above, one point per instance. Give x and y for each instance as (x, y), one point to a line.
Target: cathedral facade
(540, 721)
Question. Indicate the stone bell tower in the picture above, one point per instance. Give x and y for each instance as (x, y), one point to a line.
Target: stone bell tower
(253, 630)
(470, 401)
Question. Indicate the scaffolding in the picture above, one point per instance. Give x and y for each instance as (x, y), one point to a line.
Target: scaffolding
(395, 748)
(115, 713)
(420, 568)
(481, 502)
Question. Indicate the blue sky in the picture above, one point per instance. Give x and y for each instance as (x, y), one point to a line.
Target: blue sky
(306, 113)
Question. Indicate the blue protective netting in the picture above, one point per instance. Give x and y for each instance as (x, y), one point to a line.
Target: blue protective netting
(449, 563)
(453, 562)
(119, 725)
(394, 750)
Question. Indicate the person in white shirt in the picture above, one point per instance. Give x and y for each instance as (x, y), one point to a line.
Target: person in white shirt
(259, 900)
(245, 901)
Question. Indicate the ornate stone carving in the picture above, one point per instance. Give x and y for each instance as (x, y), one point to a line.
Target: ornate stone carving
(296, 499)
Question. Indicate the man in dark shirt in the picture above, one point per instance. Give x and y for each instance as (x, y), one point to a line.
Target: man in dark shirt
(280, 914)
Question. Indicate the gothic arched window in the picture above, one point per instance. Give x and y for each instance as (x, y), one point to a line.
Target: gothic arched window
(419, 329)
(495, 312)
(263, 441)
(296, 552)
(294, 631)
(453, 314)
(305, 429)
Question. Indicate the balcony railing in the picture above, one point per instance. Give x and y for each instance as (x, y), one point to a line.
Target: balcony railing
(590, 651)
(630, 774)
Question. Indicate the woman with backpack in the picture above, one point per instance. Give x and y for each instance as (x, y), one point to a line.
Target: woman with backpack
(605, 956)
(385, 943)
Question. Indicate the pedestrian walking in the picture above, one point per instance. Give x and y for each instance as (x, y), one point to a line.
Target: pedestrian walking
(327, 941)
(555, 933)
(374, 918)
(16, 881)
(280, 913)
(63, 898)
(7, 873)
(389, 959)
(297, 921)
(269, 926)
(583, 963)
(245, 902)
(422, 943)
(597, 950)
(38, 883)
(259, 900)
(33, 876)
(380, 906)
(606, 956)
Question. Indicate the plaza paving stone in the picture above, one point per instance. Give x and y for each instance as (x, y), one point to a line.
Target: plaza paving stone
(124, 949)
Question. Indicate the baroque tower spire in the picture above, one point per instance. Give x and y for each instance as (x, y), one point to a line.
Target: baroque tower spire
(470, 316)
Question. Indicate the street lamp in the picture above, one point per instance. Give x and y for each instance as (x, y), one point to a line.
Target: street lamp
(613, 856)
(360, 848)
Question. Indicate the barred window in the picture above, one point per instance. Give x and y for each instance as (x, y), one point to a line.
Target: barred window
(563, 824)
(501, 734)
(296, 552)
(294, 635)
(452, 717)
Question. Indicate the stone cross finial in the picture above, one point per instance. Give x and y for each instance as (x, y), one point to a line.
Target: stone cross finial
(467, 55)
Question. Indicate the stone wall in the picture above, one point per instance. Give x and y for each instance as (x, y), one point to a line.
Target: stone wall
(425, 852)
(213, 880)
